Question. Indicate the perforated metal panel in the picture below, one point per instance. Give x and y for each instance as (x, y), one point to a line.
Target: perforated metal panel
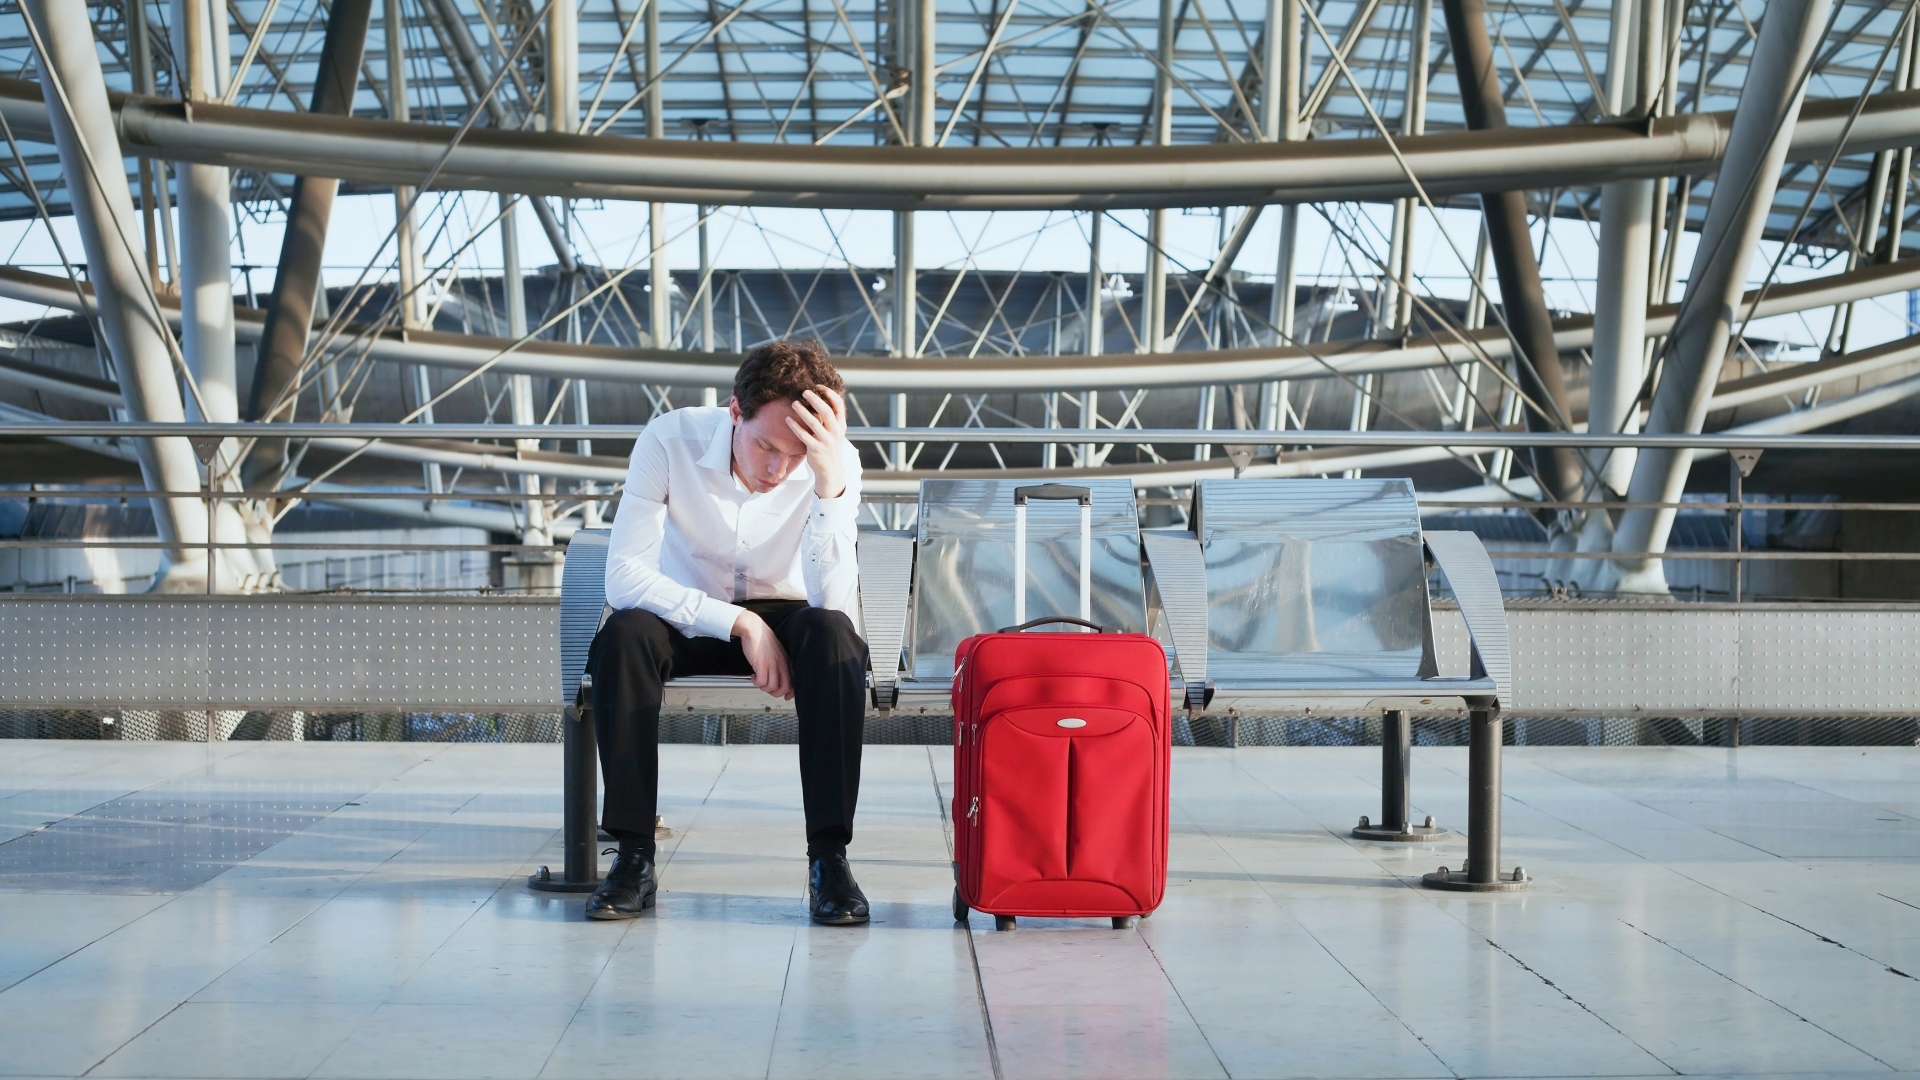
(262, 652)
(1707, 660)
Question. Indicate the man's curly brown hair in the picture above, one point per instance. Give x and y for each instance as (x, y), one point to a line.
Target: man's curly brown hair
(782, 371)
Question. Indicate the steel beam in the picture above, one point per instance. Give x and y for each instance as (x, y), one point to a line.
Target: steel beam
(896, 177)
(206, 294)
(1626, 251)
(1703, 332)
(1110, 371)
(1537, 367)
(283, 342)
(137, 337)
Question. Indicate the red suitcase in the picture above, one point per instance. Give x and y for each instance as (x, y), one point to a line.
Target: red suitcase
(1061, 746)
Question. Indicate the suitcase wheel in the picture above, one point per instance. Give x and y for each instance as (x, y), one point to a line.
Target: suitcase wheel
(1005, 922)
(960, 909)
(1125, 922)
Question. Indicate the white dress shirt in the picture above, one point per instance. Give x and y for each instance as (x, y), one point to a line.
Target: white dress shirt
(690, 541)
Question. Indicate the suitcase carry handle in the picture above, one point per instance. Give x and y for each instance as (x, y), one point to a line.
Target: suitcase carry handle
(1031, 623)
(1062, 493)
(1057, 492)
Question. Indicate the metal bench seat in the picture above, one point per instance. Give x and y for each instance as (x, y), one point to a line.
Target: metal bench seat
(1281, 595)
(1287, 592)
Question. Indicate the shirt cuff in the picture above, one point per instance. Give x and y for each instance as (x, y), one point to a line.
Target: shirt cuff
(715, 618)
(840, 513)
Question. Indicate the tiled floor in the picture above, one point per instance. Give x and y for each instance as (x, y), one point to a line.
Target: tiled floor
(294, 910)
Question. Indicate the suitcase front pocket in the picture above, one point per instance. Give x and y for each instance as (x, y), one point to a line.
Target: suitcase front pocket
(1067, 809)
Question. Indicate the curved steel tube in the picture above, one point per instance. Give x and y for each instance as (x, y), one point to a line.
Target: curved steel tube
(950, 178)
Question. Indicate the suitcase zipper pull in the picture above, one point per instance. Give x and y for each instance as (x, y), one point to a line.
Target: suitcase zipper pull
(973, 811)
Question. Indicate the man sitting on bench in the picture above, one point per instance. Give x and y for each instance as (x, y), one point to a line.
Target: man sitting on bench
(733, 554)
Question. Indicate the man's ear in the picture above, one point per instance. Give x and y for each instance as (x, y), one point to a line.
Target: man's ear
(733, 408)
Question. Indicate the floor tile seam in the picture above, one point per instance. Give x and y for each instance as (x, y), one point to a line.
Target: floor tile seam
(680, 836)
(1676, 871)
(1583, 1006)
(1612, 794)
(1311, 936)
(1434, 900)
(1344, 838)
(128, 793)
(1743, 986)
(973, 952)
(1743, 902)
(1664, 813)
(129, 1040)
(780, 1009)
(1219, 1061)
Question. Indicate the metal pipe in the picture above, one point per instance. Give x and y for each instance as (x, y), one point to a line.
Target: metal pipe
(1764, 435)
(283, 341)
(893, 177)
(659, 273)
(1112, 371)
(412, 299)
(1523, 302)
(1742, 197)
(1626, 253)
(926, 41)
(206, 288)
(1396, 771)
(580, 791)
(1485, 729)
(137, 338)
(1153, 322)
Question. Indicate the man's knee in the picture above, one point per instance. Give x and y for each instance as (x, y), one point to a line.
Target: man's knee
(634, 633)
(824, 635)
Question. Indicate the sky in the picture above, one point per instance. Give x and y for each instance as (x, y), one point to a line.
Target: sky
(615, 235)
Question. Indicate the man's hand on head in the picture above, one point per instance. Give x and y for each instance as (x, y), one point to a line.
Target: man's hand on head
(820, 421)
(765, 653)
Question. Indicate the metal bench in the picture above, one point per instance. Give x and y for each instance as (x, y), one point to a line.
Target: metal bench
(1285, 593)
(1297, 594)
(886, 566)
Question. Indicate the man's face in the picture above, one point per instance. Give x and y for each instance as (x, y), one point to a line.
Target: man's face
(765, 449)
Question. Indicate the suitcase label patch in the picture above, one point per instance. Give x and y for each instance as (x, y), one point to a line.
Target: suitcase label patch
(1070, 722)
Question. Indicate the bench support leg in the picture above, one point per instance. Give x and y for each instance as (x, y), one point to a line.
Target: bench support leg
(1396, 788)
(1482, 872)
(580, 830)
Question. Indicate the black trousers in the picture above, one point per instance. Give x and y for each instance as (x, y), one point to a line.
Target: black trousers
(636, 651)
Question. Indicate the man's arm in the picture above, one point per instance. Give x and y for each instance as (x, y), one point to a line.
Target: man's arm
(828, 563)
(634, 578)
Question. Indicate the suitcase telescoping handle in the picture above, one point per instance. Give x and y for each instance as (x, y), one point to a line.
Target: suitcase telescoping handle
(1058, 493)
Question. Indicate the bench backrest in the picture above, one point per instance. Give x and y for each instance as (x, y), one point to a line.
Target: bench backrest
(1312, 579)
(964, 568)
(583, 597)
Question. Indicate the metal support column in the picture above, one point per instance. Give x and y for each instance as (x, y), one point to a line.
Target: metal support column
(1537, 360)
(580, 832)
(1763, 124)
(659, 275)
(1482, 870)
(206, 292)
(137, 339)
(1396, 788)
(1096, 332)
(412, 300)
(1280, 119)
(1626, 253)
(283, 341)
(1153, 322)
(1396, 312)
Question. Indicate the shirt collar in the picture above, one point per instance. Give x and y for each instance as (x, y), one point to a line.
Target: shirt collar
(719, 455)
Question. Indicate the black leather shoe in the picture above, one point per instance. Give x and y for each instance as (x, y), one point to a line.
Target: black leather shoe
(627, 892)
(833, 897)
